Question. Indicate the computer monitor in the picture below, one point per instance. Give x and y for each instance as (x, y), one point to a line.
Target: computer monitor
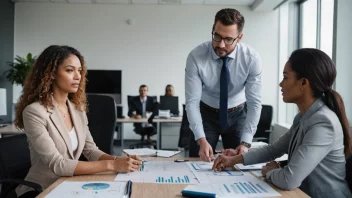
(105, 82)
(169, 102)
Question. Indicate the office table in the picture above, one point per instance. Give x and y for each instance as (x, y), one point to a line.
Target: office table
(152, 190)
(10, 129)
(158, 121)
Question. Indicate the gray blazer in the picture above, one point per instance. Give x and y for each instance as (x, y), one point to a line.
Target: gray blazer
(316, 161)
(50, 146)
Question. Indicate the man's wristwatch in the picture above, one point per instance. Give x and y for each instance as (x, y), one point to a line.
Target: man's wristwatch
(248, 145)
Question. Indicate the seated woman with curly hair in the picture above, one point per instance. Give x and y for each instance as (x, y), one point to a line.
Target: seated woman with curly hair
(52, 111)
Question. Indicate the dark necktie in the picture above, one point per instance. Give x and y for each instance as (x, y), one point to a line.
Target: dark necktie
(224, 78)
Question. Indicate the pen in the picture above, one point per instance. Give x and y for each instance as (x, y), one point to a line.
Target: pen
(128, 189)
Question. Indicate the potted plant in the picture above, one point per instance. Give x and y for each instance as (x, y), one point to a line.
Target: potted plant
(20, 69)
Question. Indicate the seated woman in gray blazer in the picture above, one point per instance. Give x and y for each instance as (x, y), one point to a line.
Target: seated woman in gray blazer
(318, 142)
(52, 111)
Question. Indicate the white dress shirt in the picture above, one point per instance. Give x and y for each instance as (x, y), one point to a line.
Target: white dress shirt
(202, 82)
(74, 140)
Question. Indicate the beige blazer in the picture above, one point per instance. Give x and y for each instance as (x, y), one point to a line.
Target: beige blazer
(50, 146)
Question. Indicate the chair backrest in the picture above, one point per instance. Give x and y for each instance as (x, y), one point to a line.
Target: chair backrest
(102, 120)
(185, 131)
(14, 158)
(349, 172)
(129, 97)
(264, 124)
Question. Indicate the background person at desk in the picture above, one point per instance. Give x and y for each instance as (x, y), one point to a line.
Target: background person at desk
(51, 110)
(318, 141)
(140, 107)
(223, 75)
(169, 90)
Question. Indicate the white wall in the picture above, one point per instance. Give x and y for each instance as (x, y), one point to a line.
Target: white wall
(152, 51)
(343, 53)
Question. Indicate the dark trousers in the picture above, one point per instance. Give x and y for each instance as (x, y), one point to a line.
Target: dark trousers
(231, 136)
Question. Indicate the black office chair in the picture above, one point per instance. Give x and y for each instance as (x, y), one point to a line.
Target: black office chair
(264, 125)
(142, 143)
(14, 165)
(349, 172)
(102, 121)
(185, 131)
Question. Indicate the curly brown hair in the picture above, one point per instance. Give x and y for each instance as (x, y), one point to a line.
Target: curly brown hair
(37, 86)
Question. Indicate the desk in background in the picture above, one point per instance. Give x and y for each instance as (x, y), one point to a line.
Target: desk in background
(152, 190)
(122, 121)
(10, 129)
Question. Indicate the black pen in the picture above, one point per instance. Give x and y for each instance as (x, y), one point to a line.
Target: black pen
(128, 189)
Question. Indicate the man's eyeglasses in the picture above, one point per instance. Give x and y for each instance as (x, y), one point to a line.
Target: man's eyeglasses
(228, 40)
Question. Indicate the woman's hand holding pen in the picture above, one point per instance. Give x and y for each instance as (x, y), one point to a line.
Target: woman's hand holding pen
(223, 161)
(126, 164)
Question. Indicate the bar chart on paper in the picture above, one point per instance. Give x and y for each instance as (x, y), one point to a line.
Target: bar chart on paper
(159, 177)
(177, 180)
(249, 188)
(240, 189)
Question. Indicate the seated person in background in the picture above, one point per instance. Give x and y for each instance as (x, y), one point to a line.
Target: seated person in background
(144, 106)
(319, 140)
(52, 112)
(169, 90)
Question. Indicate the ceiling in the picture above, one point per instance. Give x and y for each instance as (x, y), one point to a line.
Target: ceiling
(255, 5)
(172, 2)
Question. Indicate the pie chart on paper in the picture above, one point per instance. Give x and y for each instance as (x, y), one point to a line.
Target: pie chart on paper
(95, 186)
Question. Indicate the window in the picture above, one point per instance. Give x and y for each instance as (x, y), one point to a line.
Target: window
(327, 26)
(308, 24)
(315, 21)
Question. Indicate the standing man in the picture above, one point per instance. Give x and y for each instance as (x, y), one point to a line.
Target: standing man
(222, 77)
(143, 106)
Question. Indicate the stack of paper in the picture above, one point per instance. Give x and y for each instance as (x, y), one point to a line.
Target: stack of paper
(150, 152)
(250, 167)
(258, 144)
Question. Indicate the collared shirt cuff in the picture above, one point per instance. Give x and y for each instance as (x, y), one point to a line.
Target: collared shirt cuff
(246, 137)
(197, 136)
(267, 176)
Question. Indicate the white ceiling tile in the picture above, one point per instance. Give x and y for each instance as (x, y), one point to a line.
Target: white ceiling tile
(113, 1)
(145, 1)
(170, 2)
(230, 2)
(192, 1)
(58, 1)
(79, 1)
(32, 0)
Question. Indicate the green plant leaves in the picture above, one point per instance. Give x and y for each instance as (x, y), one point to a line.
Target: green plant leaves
(20, 68)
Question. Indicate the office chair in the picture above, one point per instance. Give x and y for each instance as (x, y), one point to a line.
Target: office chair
(349, 172)
(185, 131)
(102, 121)
(14, 165)
(142, 143)
(264, 125)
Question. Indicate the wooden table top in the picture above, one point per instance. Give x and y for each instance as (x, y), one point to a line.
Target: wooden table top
(152, 190)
